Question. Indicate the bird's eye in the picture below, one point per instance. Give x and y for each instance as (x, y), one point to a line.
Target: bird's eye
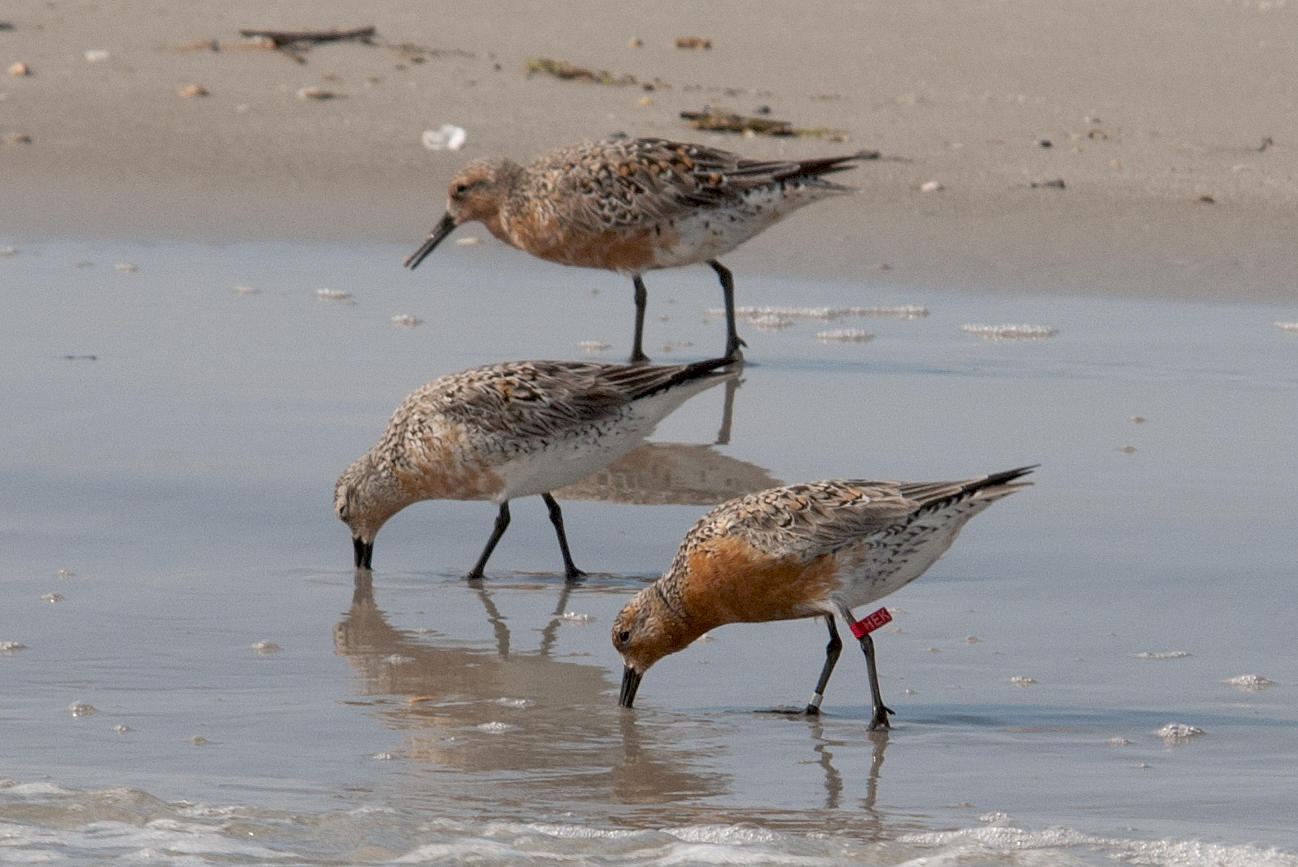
(624, 636)
(458, 190)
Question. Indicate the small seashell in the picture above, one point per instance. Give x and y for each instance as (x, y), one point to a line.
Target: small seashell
(53, 598)
(6, 252)
(307, 93)
(593, 347)
(198, 741)
(1137, 419)
(1022, 680)
(930, 187)
(125, 268)
(1163, 654)
(246, 290)
(80, 708)
(332, 294)
(193, 90)
(121, 729)
(405, 320)
(448, 137)
(11, 646)
(264, 647)
(1127, 449)
(577, 617)
(1118, 742)
(468, 241)
(95, 55)
(1287, 326)
(20, 69)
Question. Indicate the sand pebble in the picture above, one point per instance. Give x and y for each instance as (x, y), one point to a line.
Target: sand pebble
(20, 69)
(930, 187)
(971, 639)
(695, 42)
(1178, 732)
(198, 741)
(1163, 654)
(577, 617)
(1127, 449)
(265, 647)
(11, 646)
(246, 290)
(1022, 680)
(333, 294)
(448, 137)
(126, 268)
(121, 729)
(495, 727)
(635, 42)
(317, 93)
(593, 347)
(191, 90)
(844, 335)
(96, 55)
(1138, 419)
(1249, 682)
(53, 598)
(1010, 331)
(405, 320)
(17, 138)
(1287, 326)
(80, 708)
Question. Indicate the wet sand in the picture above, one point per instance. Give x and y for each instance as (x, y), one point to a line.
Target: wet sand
(1148, 113)
(171, 560)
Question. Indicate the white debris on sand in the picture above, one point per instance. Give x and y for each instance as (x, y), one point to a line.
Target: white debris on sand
(1249, 682)
(1178, 732)
(1163, 654)
(1022, 680)
(593, 347)
(405, 320)
(1010, 331)
(844, 335)
(1287, 326)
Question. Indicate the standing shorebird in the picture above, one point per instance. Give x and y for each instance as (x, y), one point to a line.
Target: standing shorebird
(633, 205)
(811, 550)
(510, 430)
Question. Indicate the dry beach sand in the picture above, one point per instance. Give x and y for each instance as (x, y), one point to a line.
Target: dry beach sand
(1172, 126)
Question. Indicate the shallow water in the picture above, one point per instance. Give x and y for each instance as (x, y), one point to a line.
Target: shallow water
(170, 559)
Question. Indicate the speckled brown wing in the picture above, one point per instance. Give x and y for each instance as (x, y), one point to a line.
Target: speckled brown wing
(625, 184)
(804, 521)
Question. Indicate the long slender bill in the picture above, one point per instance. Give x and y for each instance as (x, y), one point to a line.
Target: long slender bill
(443, 228)
(364, 553)
(630, 683)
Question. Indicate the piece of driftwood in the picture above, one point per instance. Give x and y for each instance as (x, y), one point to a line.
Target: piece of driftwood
(566, 71)
(282, 38)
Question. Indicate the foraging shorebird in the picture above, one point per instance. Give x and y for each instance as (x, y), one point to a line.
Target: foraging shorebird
(633, 205)
(809, 550)
(510, 430)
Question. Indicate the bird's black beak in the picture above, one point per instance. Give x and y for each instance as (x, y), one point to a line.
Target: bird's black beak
(630, 683)
(443, 228)
(364, 552)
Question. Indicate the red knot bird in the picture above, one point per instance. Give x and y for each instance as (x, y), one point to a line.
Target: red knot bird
(633, 205)
(809, 550)
(510, 430)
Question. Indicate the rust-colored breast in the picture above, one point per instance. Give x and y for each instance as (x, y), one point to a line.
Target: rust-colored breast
(730, 582)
